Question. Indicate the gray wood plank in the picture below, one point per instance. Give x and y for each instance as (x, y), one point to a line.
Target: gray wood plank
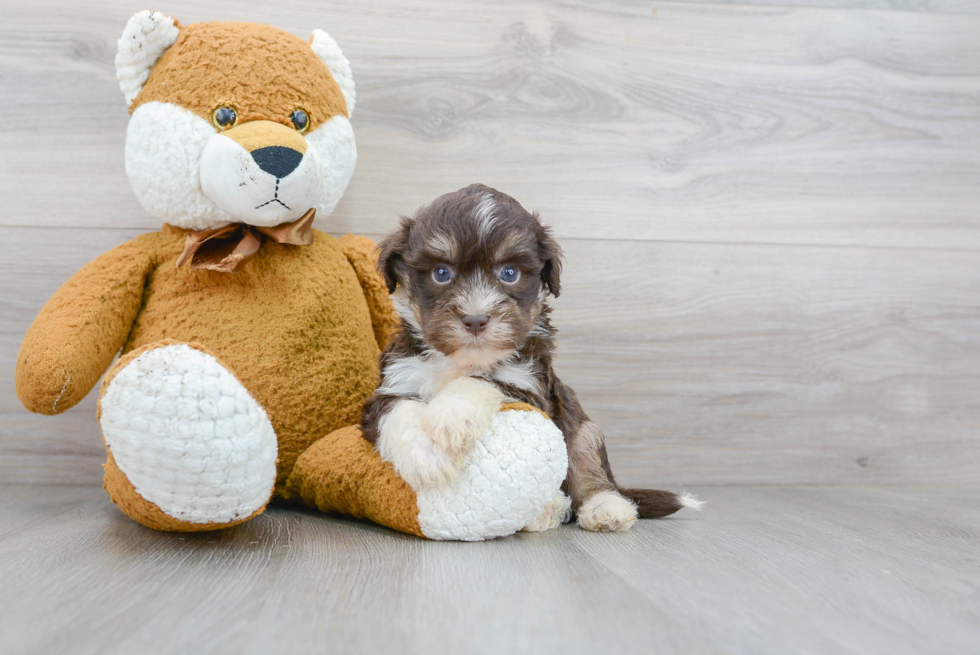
(705, 363)
(703, 122)
(940, 6)
(711, 364)
(811, 569)
(762, 570)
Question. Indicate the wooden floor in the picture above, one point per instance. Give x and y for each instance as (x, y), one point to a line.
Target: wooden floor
(761, 570)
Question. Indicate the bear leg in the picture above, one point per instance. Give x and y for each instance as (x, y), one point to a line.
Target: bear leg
(188, 447)
(342, 473)
(509, 480)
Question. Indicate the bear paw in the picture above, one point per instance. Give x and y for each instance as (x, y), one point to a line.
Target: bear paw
(505, 482)
(194, 449)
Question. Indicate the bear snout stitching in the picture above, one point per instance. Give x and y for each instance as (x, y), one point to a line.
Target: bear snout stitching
(275, 198)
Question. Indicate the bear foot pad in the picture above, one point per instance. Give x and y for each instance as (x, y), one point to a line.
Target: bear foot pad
(505, 483)
(189, 437)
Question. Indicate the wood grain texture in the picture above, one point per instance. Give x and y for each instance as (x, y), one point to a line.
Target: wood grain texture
(940, 6)
(801, 570)
(755, 364)
(769, 210)
(702, 122)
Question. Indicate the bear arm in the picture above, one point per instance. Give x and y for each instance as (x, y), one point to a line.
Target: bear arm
(80, 329)
(363, 258)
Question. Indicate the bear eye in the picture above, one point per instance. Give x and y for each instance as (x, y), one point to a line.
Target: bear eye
(224, 117)
(509, 275)
(300, 120)
(442, 274)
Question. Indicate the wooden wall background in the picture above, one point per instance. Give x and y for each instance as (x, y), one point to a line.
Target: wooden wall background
(771, 209)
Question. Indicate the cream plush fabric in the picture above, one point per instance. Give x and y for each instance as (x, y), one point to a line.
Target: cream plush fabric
(189, 436)
(505, 482)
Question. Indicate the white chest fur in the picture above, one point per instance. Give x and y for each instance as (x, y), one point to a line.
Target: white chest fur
(423, 376)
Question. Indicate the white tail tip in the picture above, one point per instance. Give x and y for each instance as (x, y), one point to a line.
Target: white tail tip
(691, 501)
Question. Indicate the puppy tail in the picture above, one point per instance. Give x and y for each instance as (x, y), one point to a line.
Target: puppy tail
(653, 503)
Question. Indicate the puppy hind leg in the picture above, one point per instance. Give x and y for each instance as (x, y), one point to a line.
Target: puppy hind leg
(607, 511)
(597, 501)
(556, 512)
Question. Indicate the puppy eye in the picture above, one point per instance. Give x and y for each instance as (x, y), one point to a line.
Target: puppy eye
(224, 117)
(442, 274)
(509, 275)
(300, 120)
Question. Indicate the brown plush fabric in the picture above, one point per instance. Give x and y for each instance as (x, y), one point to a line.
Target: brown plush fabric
(295, 327)
(363, 257)
(523, 407)
(73, 339)
(343, 474)
(121, 490)
(259, 71)
(262, 134)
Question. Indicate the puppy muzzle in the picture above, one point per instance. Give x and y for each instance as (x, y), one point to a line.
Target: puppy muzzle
(261, 173)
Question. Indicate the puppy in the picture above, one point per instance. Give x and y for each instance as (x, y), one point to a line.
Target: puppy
(470, 275)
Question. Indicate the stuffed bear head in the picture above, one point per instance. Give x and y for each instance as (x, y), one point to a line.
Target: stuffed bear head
(234, 122)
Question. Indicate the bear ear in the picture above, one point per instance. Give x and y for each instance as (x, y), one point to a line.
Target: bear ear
(147, 36)
(329, 52)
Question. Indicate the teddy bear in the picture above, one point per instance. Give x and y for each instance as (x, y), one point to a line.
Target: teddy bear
(248, 340)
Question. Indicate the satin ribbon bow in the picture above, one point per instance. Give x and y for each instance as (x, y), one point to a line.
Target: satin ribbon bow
(227, 249)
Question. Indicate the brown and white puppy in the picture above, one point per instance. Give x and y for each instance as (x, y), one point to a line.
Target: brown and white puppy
(470, 275)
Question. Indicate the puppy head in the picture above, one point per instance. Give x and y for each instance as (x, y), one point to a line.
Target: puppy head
(470, 274)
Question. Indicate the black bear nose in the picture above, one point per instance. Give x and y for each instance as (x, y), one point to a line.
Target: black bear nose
(475, 323)
(279, 161)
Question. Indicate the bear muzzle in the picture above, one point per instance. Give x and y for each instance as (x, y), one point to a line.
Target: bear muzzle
(261, 173)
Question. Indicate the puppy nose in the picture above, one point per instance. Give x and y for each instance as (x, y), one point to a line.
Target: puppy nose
(278, 161)
(475, 323)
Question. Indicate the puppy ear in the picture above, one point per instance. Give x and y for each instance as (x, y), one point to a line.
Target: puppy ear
(147, 36)
(550, 253)
(390, 252)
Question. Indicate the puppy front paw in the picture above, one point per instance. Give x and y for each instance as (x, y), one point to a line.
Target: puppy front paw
(460, 414)
(607, 511)
(416, 458)
(555, 513)
(450, 426)
(427, 464)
